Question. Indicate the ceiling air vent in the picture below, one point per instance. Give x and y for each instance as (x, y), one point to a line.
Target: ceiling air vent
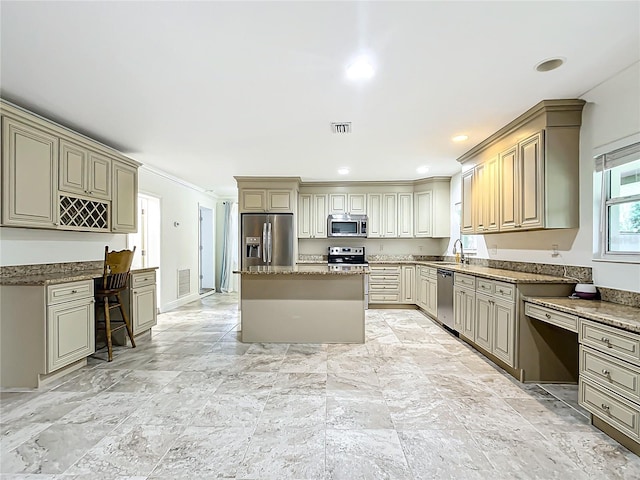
(341, 127)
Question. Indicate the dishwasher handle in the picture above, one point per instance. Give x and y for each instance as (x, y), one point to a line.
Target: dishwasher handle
(445, 273)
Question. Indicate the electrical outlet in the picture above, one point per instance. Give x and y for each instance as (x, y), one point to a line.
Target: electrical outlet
(420, 247)
(493, 250)
(554, 250)
(381, 247)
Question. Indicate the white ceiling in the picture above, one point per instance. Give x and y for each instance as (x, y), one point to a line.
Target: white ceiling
(208, 90)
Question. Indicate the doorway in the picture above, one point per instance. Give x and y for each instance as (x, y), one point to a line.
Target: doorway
(147, 238)
(206, 248)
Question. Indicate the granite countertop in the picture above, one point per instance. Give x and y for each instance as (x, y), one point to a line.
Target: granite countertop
(509, 276)
(307, 269)
(614, 314)
(53, 278)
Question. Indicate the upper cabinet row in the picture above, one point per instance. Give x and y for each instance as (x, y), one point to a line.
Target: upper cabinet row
(525, 176)
(56, 179)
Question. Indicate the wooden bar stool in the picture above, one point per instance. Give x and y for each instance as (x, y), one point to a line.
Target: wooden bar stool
(107, 293)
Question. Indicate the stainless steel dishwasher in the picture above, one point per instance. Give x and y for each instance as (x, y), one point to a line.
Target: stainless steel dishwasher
(445, 297)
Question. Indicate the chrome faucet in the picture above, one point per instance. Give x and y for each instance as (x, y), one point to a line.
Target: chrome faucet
(461, 250)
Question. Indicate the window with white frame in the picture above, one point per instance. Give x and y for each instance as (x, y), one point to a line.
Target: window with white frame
(620, 215)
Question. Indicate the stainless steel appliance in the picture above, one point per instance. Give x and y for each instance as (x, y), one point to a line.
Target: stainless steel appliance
(445, 297)
(344, 225)
(267, 239)
(350, 258)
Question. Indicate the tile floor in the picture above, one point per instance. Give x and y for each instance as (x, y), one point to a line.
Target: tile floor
(193, 402)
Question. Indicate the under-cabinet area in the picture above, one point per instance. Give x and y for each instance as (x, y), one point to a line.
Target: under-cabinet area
(47, 322)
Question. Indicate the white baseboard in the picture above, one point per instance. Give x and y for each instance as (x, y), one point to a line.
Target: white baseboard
(184, 300)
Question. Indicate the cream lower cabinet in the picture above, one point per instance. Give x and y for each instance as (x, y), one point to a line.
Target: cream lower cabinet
(44, 328)
(408, 284)
(29, 176)
(495, 319)
(610, 378)
(464, 308)
(384, 284)
(143, 303)
(426, 289)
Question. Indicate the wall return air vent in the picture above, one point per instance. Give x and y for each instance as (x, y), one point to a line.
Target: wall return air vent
(341, 127)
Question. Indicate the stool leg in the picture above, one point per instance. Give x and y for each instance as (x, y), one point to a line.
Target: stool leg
(107, 321)
(126, 321)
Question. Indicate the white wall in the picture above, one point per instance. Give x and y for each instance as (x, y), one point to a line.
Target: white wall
(179, 202)
(612, 112)
(25, 246)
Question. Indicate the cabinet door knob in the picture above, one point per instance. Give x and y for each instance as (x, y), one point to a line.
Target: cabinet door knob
(605, 371)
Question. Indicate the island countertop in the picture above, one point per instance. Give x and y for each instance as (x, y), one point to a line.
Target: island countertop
(303, 270)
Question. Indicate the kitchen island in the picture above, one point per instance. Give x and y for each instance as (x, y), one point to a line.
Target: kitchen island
(302, 304)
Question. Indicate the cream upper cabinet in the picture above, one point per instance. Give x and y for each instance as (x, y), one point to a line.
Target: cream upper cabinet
(423, 214)
(312, 215)
(124, 211)
(405, 215)
(348, 203)
(29, 176)
(382, 215)
(253, 200)
(266, 200)
(521, 171)
(527, 173)
(83, 171)
(466, 216)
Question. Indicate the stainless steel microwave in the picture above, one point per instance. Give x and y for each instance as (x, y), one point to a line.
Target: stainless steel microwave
(347, 226)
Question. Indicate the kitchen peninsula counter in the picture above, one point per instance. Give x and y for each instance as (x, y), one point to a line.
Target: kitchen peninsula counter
(302, 304)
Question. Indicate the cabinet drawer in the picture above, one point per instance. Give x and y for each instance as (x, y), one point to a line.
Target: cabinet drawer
(142, 279)
(377, 278)
(612, 341)
(386, 287)
(463, 280)
(384, 269)
(505, 291)
(65, 292)
(610, 407)
(484, 286)
(609, 372)
(559, 319)
(429, 272)
(384, 297)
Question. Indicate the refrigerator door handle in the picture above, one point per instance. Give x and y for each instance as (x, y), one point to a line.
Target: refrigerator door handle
(264, 242)
(270, 245)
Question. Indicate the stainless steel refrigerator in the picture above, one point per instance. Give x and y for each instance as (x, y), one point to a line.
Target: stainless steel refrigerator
(267, 239)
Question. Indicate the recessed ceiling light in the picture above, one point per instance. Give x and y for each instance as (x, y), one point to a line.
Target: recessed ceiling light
(422, 169)
(460, 138)
(550, 64)
(360, 69)
(343, 171)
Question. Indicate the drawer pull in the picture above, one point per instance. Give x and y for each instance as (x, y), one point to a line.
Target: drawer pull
(547, 315)
(605, 371)
(501, 291)
(483, 287)
(74, 291)
(605, 407)
(607, 341)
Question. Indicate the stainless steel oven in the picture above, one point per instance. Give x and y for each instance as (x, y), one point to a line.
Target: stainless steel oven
(347, 226)
(350, 258)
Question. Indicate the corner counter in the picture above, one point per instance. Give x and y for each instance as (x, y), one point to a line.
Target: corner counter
(302, 304)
